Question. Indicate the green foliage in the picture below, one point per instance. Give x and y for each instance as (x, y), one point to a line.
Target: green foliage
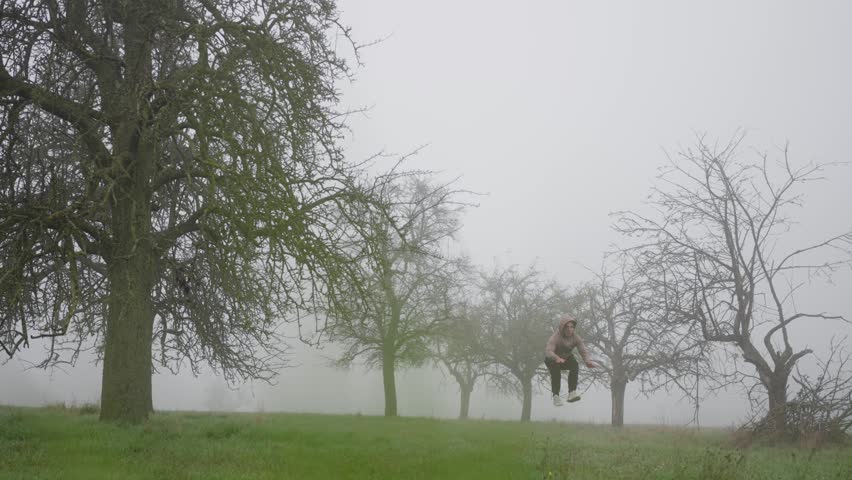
(48, 444)
(400, 298)
(170, 171)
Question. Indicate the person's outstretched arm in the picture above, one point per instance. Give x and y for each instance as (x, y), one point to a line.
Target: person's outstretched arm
(581, 346)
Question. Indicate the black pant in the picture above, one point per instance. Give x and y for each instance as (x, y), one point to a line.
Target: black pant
(573, 368)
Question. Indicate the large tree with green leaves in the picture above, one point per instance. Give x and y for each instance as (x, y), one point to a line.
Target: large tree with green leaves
(403, 293)
(170, 181)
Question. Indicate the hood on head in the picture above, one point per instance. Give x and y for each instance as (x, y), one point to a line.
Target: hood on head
(565, 320)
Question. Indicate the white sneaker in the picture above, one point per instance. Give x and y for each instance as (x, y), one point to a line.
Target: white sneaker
(557, 401)
(572, 397)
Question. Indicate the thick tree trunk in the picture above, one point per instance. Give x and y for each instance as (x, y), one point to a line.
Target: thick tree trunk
(126, 385)
(777, 414)
(527, 408)
(131, 261)
(465, 400)
(617, 388)
(131, 271)
(389, 380)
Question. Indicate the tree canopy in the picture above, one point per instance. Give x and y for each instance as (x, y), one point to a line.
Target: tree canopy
(170, 180)
(519, 311)
(401, 296)
(631, 329)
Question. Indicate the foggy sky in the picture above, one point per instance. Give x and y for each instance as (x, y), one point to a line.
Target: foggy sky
(561, 112)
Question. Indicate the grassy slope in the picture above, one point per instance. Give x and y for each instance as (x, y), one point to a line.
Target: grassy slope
(56, 443)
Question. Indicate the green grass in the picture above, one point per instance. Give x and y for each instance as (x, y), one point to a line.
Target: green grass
(65, 443)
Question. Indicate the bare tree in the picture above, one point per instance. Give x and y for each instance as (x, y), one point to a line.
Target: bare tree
(518, 310)
(717, 247)
(459, 352)
(627, 325)
(169, 174)
(401, 297)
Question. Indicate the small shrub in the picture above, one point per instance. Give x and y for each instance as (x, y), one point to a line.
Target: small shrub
(222, 431)
(56, 406)
(557, 463)
(808, 426)
(742, 438)
(89, 409)
(720, 465)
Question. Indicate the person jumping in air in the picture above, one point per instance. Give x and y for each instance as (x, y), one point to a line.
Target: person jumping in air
(558, 357)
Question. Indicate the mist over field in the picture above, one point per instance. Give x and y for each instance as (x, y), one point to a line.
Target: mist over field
(314, 386)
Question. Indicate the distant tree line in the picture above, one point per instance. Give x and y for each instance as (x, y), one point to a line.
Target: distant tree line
(703, 288)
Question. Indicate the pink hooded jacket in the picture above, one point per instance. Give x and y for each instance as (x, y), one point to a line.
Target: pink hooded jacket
(560, 345)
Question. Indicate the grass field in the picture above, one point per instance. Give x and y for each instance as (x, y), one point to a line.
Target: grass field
(59, 443)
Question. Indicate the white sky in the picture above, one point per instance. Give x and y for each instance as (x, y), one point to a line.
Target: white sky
(561, 111)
